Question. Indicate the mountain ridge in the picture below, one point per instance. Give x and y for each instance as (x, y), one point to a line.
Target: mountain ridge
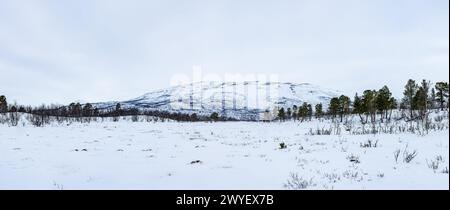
(238, 100)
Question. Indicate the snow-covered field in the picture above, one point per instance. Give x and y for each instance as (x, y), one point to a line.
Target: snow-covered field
(223, 155)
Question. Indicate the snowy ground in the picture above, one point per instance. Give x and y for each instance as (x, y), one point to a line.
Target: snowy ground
(224, 155)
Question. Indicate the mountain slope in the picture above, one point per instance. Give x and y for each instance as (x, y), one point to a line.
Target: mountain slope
(242, 101)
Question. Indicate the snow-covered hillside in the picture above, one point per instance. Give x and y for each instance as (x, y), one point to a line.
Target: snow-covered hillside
(243, 101)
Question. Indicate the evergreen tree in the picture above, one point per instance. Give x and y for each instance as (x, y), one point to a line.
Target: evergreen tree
(194, 117)
(288, 113)
(22, 109)
(425, 85)
(333, 107)
(71, 109)
(3, 104)
(392, 106)
(382, 101)
(369, 104)
(319, 111)
(75, 110)
(442, 93)
(214, 116)
(344, 106)
(78, 110)
(96, 112)
(294, 112)
(13, 109)
(433, 99)
(310, 111)
(87, 110)
(118, 110)
(303, 111)
(281, 114)
(409, 93)
(420, 99)
(358, 107)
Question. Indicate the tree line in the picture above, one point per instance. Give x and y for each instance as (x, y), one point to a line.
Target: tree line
(83, 112)
(417, 99)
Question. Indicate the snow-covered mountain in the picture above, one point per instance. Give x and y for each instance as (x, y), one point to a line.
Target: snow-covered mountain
(244, 101)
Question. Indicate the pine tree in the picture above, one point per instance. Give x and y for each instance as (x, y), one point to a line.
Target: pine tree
(333, 108)
(3, 104)
(281, 114)
(420, 99)
(426, 91)
(392, 105)
(96, 112)
(358, 107)
(288, 113)
(13, 109)
(194, 117)
(319, 111)
(75, 110)
(214, 116)
(118, 110)
(382, 101)
(303, 111)
(87, 110)
(433, 99)
(78, 110)
(295, 112)
(344, 106)
(409, 93)
(442, 93)
(369, 103)
(310, 111)
(71, 110)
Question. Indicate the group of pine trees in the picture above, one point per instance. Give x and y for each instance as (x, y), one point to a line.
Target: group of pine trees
(417, 100)
(79, 111)
(373, 102)
(76, 110)
(302, 113)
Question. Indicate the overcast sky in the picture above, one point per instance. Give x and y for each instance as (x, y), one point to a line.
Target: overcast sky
(100, 50)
